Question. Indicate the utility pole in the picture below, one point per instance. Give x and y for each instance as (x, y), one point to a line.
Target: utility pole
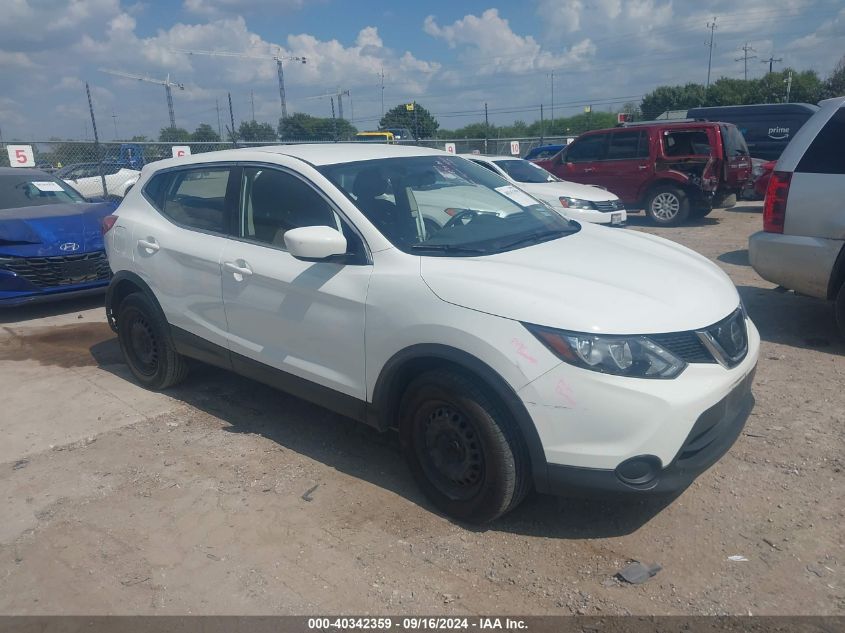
(746, 49)
(486, 127)
(542, 125)
(334, 121)
(712, 27)
(232, 120)
(788, 82)
(96, 140)
(771, 61)
(252, 102)
(219, 129)
(114, 120)
(381, 76)
(553, 98)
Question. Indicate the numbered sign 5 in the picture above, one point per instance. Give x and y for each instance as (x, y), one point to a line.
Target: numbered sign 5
(515, 148)
(181, 150)
(450, 147)
(21, 155)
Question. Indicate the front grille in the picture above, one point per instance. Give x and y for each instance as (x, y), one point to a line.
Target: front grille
(605, 206)
(62, 270)
(685, 345)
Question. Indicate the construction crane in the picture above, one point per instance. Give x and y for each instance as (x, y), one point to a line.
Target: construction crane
(278, 58)
(339, 94)
(166, 83)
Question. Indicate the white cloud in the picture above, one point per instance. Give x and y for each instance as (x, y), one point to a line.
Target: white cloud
(217, 8)
(561, 16)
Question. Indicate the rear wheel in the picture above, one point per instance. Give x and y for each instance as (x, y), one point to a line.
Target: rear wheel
(667, 205)
(462, 447)
(147, 349)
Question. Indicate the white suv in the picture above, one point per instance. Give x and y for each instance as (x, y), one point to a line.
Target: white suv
(802, 246)
(511, 347)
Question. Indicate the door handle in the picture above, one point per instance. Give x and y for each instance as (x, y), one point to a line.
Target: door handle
(150, 245)
(239, 271)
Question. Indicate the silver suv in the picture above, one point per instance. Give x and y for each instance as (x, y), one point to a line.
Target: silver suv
(801, 244)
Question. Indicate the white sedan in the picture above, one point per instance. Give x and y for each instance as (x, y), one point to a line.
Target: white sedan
(85, 178)
(585, 203)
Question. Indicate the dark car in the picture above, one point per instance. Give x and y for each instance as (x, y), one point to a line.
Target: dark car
(767, 127)
(672, 170)
(51, 240)
(543, 152)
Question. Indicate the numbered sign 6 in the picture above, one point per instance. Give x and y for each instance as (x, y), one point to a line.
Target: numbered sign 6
(515, 148)
(21, 155)
(450, 147)
(181, 150)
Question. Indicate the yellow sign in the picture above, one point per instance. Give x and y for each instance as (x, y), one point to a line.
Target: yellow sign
(409, 107)
(588, 108)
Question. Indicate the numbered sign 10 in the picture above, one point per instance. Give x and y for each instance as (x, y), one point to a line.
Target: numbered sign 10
(21, 155)
(515, 148)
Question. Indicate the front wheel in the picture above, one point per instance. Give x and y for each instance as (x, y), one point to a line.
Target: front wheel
(462, 447)
(142, 333)
(667, 205)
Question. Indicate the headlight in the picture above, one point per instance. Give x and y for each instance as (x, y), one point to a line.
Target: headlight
(634, 356)
(576, 203)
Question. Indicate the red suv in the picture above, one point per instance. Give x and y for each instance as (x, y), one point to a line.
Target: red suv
(672, 170)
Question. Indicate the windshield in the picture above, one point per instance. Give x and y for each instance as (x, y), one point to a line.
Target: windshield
(32, 190)
(524, 171)
(446, 205)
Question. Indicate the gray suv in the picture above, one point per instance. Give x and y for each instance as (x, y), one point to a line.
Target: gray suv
(801, 245)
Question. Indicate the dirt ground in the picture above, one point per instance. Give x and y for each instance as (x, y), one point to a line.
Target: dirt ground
(120, 501)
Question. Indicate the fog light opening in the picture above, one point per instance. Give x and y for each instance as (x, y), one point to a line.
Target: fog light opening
(640, 471)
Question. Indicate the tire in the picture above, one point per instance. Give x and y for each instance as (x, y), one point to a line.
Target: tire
(144, 341)
(667, 205)
(839, 307)
(462, 446)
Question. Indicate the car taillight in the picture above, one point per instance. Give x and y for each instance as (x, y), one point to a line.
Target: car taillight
(108, 222)
(564, 202)
(774, 208)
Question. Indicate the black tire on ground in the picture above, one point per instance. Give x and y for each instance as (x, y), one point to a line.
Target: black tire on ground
(146, 347)
(839, 306)
(667, 205)
(462, 446)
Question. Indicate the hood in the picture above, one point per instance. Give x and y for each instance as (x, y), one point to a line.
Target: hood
(554, 190)
(597, 280)
(43, 230)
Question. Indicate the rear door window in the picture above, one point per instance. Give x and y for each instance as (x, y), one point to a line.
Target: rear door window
(195, 198)
(826, 154)
(587, 149)
(734, 141)
(628, 145)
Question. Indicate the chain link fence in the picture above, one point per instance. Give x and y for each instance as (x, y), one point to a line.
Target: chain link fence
(107, 170)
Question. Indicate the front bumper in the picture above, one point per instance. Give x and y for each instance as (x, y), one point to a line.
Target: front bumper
(610, 218)
(13, 299)
(595, 427)
(711, 437)
(796, 262)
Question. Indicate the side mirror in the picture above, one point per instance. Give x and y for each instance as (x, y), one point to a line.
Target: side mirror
(315, 243)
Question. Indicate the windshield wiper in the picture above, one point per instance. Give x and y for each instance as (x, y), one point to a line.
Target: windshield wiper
(536, 238)
(449, 248)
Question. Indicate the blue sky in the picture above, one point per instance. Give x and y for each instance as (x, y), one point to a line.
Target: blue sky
(450, 56)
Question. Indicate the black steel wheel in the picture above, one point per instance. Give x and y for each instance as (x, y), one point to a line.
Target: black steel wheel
(146, 346)
(463, 446)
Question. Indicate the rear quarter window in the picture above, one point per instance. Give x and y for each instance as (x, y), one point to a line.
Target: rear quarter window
(193, 198)
(826, 154)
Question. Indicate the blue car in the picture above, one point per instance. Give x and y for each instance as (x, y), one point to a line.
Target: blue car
(51, 240)
(543, 152)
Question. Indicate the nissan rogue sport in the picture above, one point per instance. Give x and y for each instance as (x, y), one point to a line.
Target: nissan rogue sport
(510, 347)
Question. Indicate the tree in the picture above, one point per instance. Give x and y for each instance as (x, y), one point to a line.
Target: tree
(304, 127)
(665, 98)
(174, 135)
(834, 85)
(205, 134)
(256, 132)
(418, 120)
